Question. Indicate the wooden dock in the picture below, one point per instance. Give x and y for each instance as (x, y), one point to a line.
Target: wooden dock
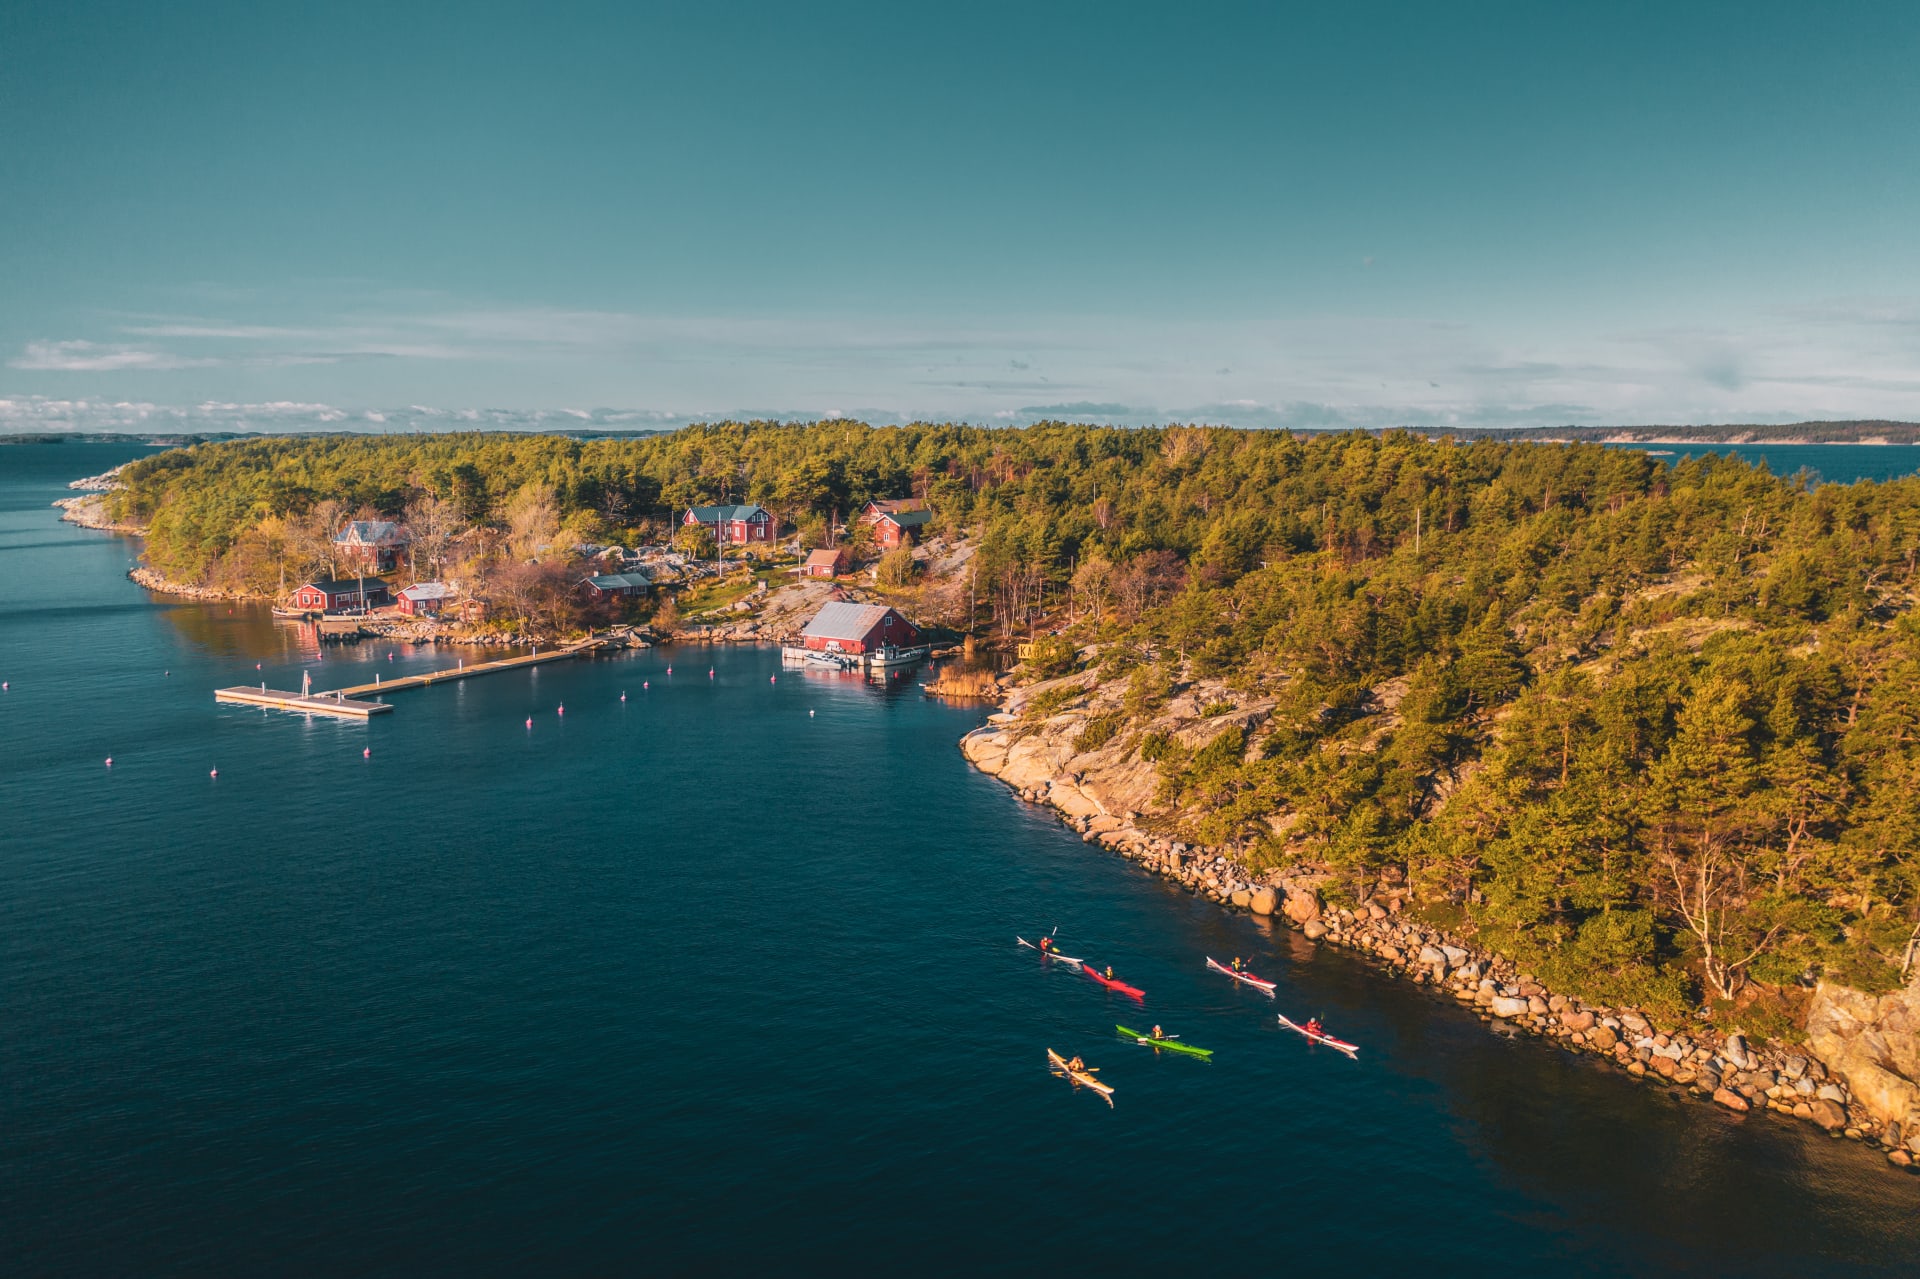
(346, 703)
(334, 704)
(478, 668)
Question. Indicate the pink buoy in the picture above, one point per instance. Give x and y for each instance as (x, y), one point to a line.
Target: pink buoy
(529, 721)
(623, 697)
(773, 679)
(256, 666)
(213, 772)
(709, 672)
(366, 752)
(646, 683)
(109, 761)
(561, 710)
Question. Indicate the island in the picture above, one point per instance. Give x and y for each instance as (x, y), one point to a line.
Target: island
(1612, 748)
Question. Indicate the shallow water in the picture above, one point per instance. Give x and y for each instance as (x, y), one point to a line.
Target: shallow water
(700, 981)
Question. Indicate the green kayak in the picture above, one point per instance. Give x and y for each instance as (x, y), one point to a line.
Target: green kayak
(1174, 1044)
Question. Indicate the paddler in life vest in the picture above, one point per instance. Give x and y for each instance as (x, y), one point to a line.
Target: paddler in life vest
(1076, 1064)
(1236, 964)
(1109, 972)
(1313, 1026)
(1046, 944)
(1157, 1034)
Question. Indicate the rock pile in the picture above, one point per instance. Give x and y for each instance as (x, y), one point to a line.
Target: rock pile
(1724, 1068)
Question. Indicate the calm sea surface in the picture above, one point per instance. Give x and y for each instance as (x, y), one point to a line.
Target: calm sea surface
(719, 978)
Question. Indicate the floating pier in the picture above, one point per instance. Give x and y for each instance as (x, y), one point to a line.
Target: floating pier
(478, 668)
(345, 703)
(334, 704)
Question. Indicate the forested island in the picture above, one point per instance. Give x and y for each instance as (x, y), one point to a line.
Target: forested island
(1650, 729)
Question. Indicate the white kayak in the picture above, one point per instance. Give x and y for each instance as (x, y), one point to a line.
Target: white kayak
(1050, 953)
(1320, 1037)
(1258, 983)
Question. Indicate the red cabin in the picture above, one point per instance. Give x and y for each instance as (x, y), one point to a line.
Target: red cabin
(895, 521)
(859, 628)
(733, 525)
(333, 596)
(826, 563)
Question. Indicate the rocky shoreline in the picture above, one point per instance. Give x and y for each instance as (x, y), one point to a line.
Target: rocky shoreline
(1040, 764)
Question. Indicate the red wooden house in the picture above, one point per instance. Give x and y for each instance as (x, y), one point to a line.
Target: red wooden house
(373, 546)
(424, 599)
(618, 585)
(826, 563)
(859, 628)
(734, 525)
(333, 596)
(895, 520)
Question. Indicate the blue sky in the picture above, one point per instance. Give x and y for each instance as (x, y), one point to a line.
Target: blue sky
(1265, 214)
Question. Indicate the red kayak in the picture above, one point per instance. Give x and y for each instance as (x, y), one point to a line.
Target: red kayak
(1113, 983)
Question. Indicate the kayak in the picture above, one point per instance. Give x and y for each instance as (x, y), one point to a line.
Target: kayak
(1319, 1038)
(1113, 983)
(1060, 1067)
(1174, 1044)
(1258, 983)
(1051, 954)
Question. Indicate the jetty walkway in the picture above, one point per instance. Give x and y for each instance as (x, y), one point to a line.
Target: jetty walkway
(347, 702)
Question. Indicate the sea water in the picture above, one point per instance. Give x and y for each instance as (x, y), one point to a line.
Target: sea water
(720, 979)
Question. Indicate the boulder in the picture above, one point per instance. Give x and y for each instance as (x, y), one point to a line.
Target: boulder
(1433, 956)
(1241, 897)
(1455, 956)
(1263, 901)
(1509, 1006)
(1314, 929)
(1831, 1092)
(1830, 1115)
(1731, 1100)
(1302, 904)
(1602, 1037)
(1582, 1020)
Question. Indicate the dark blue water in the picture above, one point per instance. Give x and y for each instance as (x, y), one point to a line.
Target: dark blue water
(1826, 463)
(701, 982)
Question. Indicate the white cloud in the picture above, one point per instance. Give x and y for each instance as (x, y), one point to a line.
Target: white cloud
(95, 357)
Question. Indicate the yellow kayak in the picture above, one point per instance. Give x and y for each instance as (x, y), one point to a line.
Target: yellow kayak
(1060, 1067)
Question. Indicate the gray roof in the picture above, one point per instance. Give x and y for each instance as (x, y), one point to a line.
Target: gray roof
(724, 514)
(620, 581)
(370, 532)
(428, 591)
(845, 621)
(341, 585)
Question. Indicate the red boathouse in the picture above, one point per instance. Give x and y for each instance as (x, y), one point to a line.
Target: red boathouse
(859, 628)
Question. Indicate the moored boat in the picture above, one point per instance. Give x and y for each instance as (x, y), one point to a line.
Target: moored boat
(1258, 983)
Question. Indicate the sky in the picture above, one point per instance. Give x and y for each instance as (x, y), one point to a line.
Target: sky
(1477, 214)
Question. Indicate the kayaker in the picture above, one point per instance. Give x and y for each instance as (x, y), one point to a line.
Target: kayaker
(1076, 1064)
(1109, 972)
(1313, 1026)
(1046, 944)
(1236, 963)
(1157, 1034)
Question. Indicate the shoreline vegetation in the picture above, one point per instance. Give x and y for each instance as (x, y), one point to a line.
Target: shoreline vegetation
(1642, 733)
